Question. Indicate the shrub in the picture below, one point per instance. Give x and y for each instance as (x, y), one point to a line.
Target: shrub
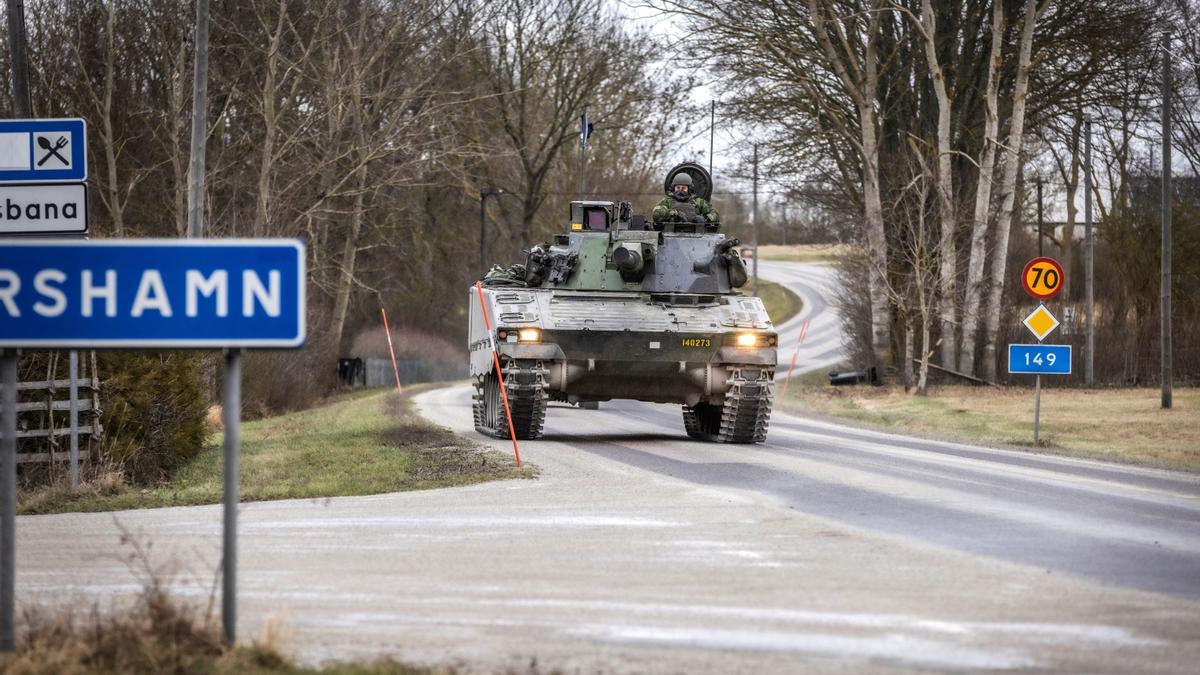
(154, 411)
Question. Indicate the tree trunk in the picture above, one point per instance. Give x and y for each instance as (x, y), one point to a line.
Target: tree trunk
(906, 368)
(947, 252)
(341, 305)
(1068, 234)
(177, 106)
(923, 371)
(861, 84)
(110, 150)
(881, 318)
(1016, 134)
(876, 243)
(983, 198)
(266, 166)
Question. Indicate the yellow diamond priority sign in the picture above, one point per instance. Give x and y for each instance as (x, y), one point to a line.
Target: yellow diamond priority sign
(1040, 322)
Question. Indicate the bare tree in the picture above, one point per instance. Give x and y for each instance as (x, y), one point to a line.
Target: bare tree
(983, 194)
(947, 208)
(855, 60)
(545, 63)
(1016, 136)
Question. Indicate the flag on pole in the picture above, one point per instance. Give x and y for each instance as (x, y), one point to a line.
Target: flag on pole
(585, 131)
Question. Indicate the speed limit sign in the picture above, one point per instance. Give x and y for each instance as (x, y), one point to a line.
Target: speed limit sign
(1043, 278)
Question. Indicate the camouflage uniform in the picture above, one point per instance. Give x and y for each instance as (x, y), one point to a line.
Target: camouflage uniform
(667, 206)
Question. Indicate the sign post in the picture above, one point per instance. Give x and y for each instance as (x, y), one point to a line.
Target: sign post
(231, 413)
(229, 294)
(1043, 279)
(43, 191)
(8, 495)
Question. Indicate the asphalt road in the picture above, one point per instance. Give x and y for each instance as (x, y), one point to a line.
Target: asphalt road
(828, 549)
(822, 346)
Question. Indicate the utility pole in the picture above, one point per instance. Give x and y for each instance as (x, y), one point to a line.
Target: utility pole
(8, 373)
(783, 228)
(1165, 337)
(712, 131)
(1041, 246)
(20, 66)
(195, 228)
(231, 381)
(584, 133)
(1089, 373)
(483, 195)
(754, 227)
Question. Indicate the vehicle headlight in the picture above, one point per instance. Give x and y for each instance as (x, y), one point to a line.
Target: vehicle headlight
(529, 335)
(754, 340)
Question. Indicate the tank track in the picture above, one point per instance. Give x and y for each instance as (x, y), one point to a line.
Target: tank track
(744, 416)
(525, 382)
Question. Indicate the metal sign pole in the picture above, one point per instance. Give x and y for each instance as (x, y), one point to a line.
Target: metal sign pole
(231, 402)
(8, 495)
(754, 229)
(1089, 373)
(1166, 348)
(74, 417)
(1037, 408)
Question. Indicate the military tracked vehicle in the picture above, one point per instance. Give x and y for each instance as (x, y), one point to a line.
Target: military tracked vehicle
(617, 307)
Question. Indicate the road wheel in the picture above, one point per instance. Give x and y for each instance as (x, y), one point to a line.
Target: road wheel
(702, 421)
(525, 383)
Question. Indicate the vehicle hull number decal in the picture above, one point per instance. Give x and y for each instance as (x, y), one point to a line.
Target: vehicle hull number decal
(696, 342)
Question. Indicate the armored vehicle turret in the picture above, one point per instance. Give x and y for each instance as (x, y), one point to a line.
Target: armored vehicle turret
(622, 307)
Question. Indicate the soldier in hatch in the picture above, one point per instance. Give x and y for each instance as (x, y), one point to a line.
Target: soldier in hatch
(681, 205)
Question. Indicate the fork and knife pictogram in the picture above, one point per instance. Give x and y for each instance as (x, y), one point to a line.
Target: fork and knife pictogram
(52, 150)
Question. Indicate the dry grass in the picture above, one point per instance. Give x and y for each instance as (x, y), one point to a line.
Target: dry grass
(803, 252)
(95, 483)
(155, 633)
(364, 442)
(1122, 425)
(781, 303)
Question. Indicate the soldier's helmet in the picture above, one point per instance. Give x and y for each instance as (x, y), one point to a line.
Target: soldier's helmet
(681, 178)
(678, 183)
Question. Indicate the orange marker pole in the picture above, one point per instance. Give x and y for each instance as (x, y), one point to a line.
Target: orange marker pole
(795, 354)
(487, 323)
(391, 350)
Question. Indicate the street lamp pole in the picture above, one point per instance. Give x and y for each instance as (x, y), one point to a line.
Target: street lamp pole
(483, 195)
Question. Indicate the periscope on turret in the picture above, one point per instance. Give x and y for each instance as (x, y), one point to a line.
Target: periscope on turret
(619, 306)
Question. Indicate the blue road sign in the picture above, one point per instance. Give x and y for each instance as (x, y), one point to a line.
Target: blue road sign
(1040, 359)
(43, 151)
(152, 293)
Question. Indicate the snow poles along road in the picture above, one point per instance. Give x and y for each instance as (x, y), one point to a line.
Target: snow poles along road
(391, 350)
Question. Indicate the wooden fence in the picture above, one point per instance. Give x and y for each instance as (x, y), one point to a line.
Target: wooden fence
(43, 409)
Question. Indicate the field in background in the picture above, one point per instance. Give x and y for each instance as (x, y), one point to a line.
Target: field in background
(803, 252)
(368, 442)
(1120, 425)
(781, 303)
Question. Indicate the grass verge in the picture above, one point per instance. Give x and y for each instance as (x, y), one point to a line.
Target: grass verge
(810, 253)
(1121, 425)
(781, 303)
(365, 443)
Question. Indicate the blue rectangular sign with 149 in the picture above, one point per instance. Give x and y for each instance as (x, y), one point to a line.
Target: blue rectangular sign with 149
(1041, 359)
(154, 293)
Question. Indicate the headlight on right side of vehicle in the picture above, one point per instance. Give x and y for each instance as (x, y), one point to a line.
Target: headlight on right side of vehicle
(751, 340)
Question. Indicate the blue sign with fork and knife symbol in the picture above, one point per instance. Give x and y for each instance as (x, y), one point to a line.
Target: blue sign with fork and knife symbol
(43, 151)
(43, 177)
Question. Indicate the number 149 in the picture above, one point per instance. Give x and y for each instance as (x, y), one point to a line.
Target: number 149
(1039, 359)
